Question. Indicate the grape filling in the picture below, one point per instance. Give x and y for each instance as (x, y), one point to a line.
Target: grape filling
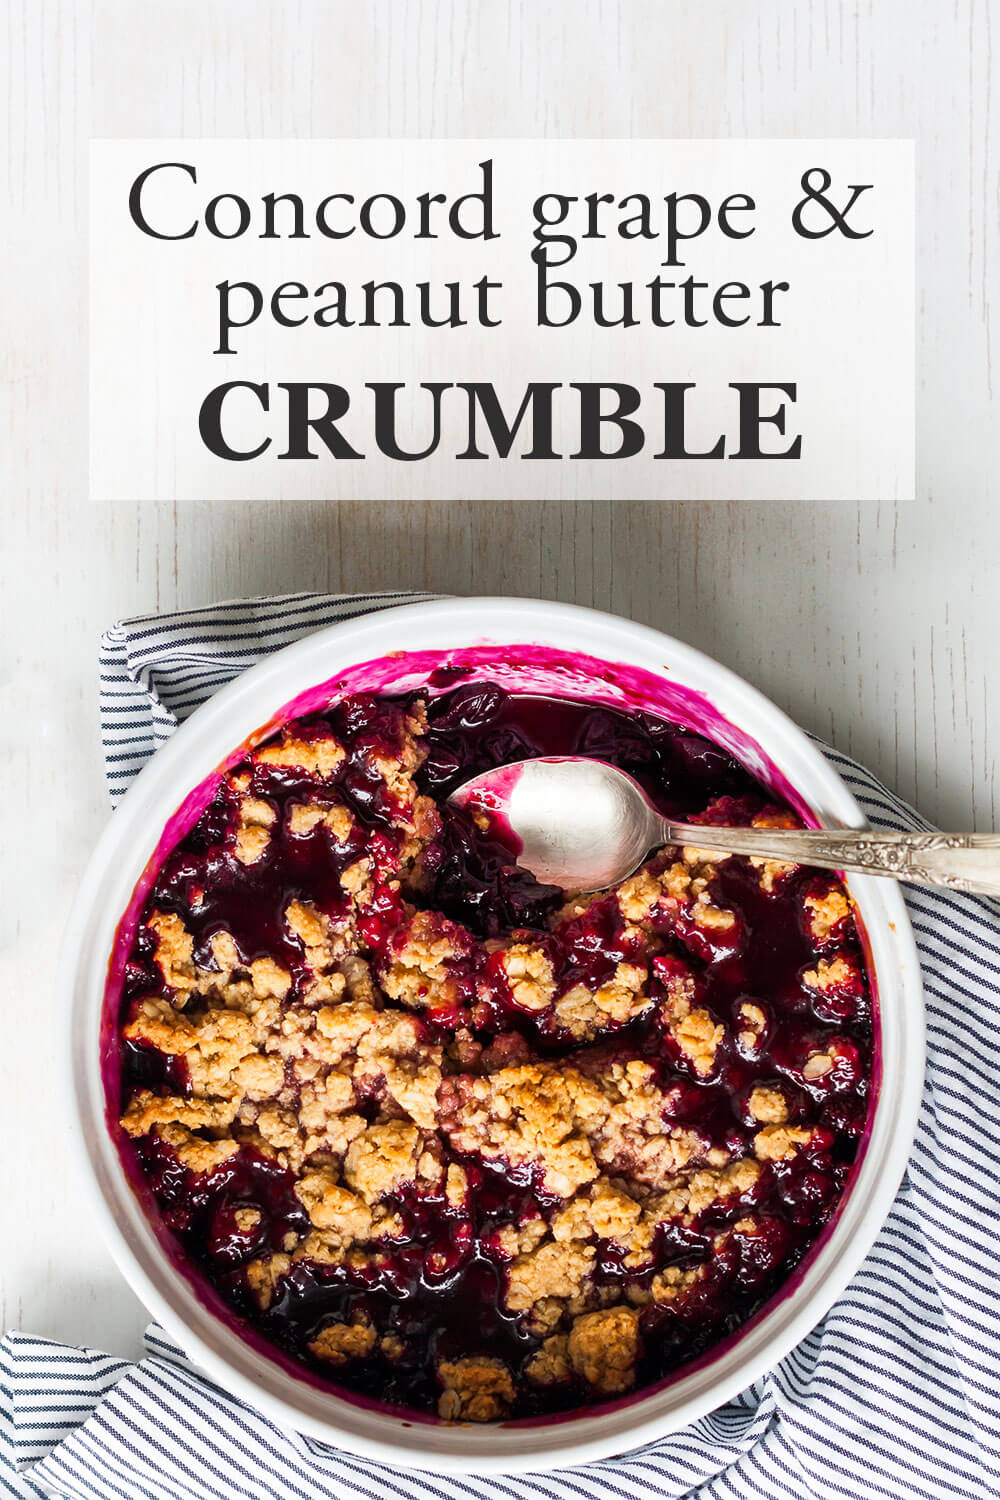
(465, 1144)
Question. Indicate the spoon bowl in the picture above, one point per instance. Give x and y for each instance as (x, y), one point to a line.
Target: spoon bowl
(573, 822)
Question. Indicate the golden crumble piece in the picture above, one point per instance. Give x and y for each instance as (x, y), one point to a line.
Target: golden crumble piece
(592, 1299)
(775, 817)
(270, 979)
(327, 1116)
(826, 912)
(692, 855)
(477, 1388)
(387, 1224)
(706, 914)
(670, 1284)
(396, 773)
(280, 1129)
(628, 1135)
(332, 1207)
(146, 1110)
(326, 944)
(394, 1034)
(391, 1347)
(426, 824)
(382, 1159)
(685, 883)
(341, 822)
(221, 1041)
(638, 896)
(830, 974)
(323, 942)
(323, 1248)
(397, 766)
(818, 1064)
(174, 951)
(573, 908)
(225, 953)
(318, 757)
(339, 1343)
(545, 1316)
(524, 1115)
(584, 1012)
(698, 1035)
(391, 1051)
(603, 1348)
(263, 1274)
(254, 820)
(521, 1237)
(357, 881)
(551, 1270)
(248, 1135)
(688, 881)
(550, 1364)
(529, 974)
(258, 1077)
(420, 974)
(640, 1241)
(664, 887)
(753, 1024)
(773, 871)
(219, 1048)
(696, 1031)
(358, 982)
(158, 1023)
(690, 1195)
(602, 1209)
(415, 724)
(342, 1028)
(195, 1153)
(456, 1185)
(365, 1048)
(569, 1124)
(767, 1105)
(675, 881)
(778, 1142)
(325, 985)
(304, 817)
(414, 1087)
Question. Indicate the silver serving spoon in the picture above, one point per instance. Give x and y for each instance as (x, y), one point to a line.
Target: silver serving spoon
(582, 824)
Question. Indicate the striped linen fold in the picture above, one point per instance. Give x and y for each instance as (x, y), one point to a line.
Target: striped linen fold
(895, 1394)
(156, 669)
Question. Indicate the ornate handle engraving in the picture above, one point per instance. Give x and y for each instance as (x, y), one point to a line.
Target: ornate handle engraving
(958, 861)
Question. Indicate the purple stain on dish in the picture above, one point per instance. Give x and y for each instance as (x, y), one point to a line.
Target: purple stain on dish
(442, 1283)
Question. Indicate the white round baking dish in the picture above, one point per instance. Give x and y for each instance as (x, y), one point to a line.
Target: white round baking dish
(698, 692)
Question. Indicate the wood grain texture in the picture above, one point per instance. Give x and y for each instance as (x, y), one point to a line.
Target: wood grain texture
(874, 626)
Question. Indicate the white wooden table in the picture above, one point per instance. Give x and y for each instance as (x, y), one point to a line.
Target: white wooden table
(875, 626)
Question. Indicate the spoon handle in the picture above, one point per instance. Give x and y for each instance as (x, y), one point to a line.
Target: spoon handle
(958, 861)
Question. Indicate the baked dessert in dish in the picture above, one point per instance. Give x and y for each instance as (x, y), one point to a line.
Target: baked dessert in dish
(455, 1141)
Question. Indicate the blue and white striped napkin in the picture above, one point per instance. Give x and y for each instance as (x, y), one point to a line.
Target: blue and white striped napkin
(896, 1394)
